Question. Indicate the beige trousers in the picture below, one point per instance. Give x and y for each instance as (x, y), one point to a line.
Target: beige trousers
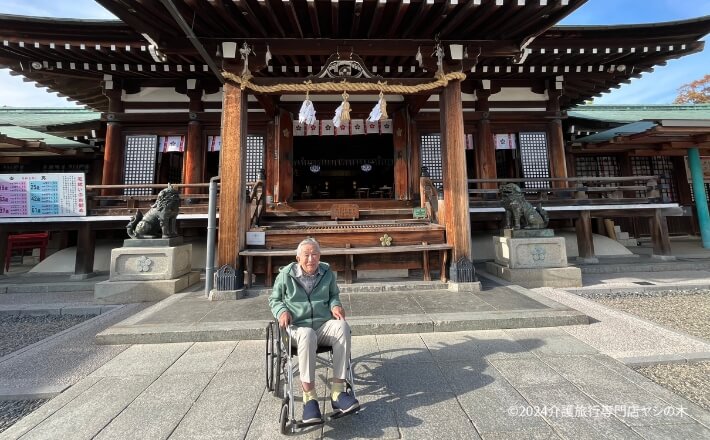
(334, 333)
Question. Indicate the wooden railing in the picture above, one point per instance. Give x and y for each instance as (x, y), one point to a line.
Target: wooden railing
(572, 190)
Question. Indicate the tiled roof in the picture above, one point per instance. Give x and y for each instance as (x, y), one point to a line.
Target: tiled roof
(49, 140)
(633, 113)
(40, 118)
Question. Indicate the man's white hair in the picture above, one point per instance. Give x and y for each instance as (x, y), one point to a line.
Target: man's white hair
(308, 241)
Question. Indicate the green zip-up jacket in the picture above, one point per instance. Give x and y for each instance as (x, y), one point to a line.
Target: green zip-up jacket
(306, 310)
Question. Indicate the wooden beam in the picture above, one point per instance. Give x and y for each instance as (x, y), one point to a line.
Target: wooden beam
(113, 157)
(194, 160)
(85, 248)
(269, 103)
(415, 103)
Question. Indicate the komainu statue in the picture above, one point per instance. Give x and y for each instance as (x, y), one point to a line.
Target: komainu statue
(160, 221)
(518, 210)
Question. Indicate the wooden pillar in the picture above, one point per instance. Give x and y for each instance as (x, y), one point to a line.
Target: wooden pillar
(232, 197)
(113, 158)
(270, 158)
(585, 240)
(457, 218)
(194, 159)
(558, 161)
(196, 150)
(85, 248)
(113, 147)
(659, 235)
(484, 148)
(399, 126)
(283, 188)
(415, 159)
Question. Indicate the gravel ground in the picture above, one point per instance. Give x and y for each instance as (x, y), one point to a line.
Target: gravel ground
(691, 381)
(684, 310)
(13, 410)
(20, 331)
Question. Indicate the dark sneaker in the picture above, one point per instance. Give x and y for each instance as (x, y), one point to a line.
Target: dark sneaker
(345, 403)
(311, 412)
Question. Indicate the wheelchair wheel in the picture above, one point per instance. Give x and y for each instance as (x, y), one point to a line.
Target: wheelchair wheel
(283, 418)
(270, 356)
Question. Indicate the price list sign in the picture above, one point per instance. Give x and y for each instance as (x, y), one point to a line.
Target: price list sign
(43, 195)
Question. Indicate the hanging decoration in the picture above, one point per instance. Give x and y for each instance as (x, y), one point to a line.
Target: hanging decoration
(379, 111)
(342, 113)
(244, 52)
(439, 54)
(418, 56)
(354, 127)
(267, 56)
(307, 114)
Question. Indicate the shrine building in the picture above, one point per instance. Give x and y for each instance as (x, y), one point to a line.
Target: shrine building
(360, 114)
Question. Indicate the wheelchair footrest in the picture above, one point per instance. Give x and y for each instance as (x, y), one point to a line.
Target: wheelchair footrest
(300, 424)
(339, 414)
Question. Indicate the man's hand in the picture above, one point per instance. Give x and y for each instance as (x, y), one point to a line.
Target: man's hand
(338, 313)
(284, 319)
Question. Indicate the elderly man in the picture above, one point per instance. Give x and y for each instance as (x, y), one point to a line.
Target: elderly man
(306, 302)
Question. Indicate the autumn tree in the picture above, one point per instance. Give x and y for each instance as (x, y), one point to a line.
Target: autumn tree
(696, 92)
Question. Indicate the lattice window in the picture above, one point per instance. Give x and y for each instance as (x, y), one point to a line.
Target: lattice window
(139, 165)
(597, 166)
(534, 159)
(655, 166)
(586, 166)
(431, 157)
(255, 157)
(608, 166)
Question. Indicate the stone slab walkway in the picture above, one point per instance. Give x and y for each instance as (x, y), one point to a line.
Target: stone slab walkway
(190, 317)
(493, 384)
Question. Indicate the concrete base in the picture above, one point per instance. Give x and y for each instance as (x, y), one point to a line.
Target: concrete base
(150, 263)
(530, 253)
(465, 287)
(588, 260)
(122, 292)
(543, 277)
(82, 276)
(221, 295)
(663, 257)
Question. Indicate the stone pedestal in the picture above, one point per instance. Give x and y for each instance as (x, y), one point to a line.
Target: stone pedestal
(147, 270)
(533, 258)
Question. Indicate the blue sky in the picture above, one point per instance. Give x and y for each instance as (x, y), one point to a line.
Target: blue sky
(658, 87)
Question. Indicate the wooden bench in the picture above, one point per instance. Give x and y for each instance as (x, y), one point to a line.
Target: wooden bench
(20, 242)
(348, 252)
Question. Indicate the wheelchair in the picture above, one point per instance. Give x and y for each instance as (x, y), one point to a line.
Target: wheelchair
(280, 369)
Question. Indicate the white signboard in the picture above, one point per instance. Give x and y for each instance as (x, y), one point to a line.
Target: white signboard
(43, 195)
(256, 238)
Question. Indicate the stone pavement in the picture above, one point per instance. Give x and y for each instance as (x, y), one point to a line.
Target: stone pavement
(534, 383)
(411, 307)
(491, 384)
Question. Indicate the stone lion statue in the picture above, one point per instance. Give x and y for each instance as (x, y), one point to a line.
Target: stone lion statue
(518, 210)
(160, 221)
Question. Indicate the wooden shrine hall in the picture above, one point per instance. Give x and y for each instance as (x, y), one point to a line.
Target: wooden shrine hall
(341, 103)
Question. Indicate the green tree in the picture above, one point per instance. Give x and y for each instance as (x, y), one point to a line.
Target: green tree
(696, 92)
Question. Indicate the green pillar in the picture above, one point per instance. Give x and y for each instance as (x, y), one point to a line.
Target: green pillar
(701, 201)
